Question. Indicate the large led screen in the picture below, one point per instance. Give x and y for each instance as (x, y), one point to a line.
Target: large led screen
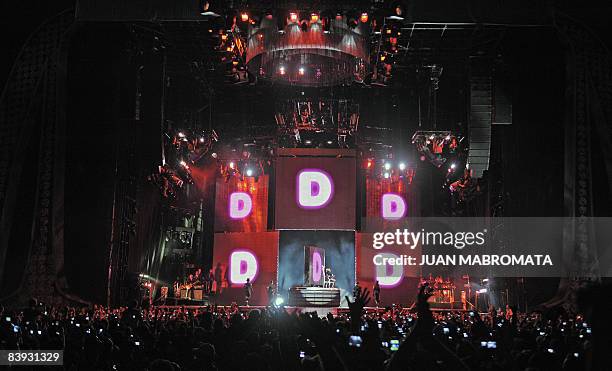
(238, 256)
(241, 205)
(390, 199)
(398, 283)
(315, 192)
(304, 253)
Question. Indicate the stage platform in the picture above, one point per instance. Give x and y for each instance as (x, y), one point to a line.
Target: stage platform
(316, 297)
(321, 311)
(178, 302)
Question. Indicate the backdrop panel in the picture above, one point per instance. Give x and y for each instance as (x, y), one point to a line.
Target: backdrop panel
(389, 198)
(241, 205)
(315, 192)
(398, 284)
(339, 253)
(238, 256)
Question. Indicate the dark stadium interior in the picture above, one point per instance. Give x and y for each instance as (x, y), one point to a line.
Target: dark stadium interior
(98, 188)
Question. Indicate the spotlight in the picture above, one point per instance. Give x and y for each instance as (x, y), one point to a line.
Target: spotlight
(232, 165)
(202, 140)
(301, 71)
(244, 17)
(314, 17)
(386, 175)
(402, 166)
(453, 166)
(183, 164)
(482, 291)
(281, 70)
(293, 17)
(387, 166)
(214, 155)
(329, 142)
(307, 142)
(279, 301)
(369, 163)
(364, 17)
(181, 134)
(249, 172)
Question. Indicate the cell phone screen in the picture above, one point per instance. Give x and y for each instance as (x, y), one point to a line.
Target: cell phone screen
(394, 345)
(355, 341)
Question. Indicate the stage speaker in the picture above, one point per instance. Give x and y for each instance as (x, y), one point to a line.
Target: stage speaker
(481, 115)
(184, 293)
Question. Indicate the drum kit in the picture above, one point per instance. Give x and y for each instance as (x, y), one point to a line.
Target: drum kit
(443, 290)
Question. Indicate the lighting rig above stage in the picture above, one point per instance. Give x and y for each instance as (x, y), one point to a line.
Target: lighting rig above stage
(325, 44)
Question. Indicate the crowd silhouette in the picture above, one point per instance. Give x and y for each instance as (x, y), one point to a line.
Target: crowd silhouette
(275, 338)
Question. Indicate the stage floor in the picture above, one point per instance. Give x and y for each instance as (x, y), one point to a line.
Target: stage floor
(320, 310)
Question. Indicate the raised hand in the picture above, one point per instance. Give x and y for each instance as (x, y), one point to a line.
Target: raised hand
(425, 292)
(356, 307)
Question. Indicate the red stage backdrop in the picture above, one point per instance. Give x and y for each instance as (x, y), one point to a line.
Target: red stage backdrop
(398, 284)
(315, 189)
(238, 256)
(241, 205)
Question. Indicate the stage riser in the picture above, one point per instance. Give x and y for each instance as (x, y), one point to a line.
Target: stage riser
(314, 297)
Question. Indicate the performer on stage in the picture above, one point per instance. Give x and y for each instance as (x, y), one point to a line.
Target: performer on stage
(189, 285)
(376, 291)
(271, 292)
(218, 278)
(248, 291)
(356, 290)
(330, 279)
(509, 313)
(211, 280)
(176, 287)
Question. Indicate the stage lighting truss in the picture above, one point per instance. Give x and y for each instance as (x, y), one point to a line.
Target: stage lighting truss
(243, 168)
(184, 149)
(322, 46)
(387, 168)
(317, 123)
(245, 158)
(302, 44)
(438, 147)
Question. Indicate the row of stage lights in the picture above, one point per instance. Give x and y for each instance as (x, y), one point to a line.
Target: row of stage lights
(242, 168)
(387, 170)
(395, 9)
(295, 17)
